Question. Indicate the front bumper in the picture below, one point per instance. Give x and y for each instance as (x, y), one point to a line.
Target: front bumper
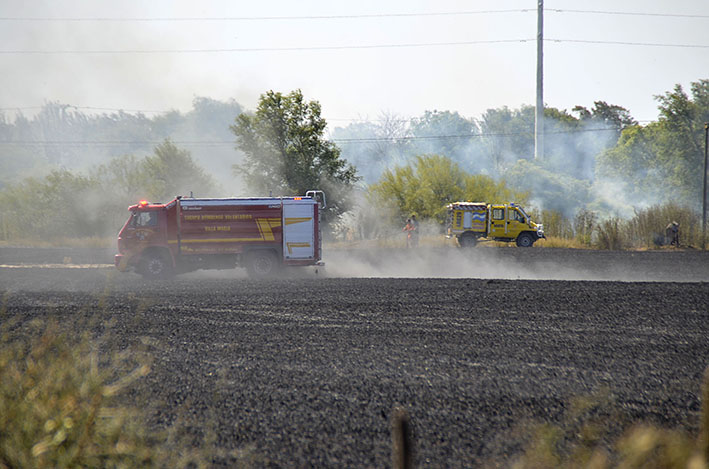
(121, 262)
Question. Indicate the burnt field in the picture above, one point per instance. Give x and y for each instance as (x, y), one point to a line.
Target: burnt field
(304, 370)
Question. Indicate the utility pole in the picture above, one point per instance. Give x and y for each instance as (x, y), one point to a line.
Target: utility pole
(704, 191)
(539, 108)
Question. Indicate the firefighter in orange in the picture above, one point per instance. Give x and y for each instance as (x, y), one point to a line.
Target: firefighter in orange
(409, 229)
(415, 231)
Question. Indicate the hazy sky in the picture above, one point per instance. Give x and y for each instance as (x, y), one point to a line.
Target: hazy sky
(162, 54)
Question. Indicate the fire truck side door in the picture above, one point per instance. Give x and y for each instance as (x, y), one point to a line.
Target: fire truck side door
(299, 229)
(515, 222)
(498, 224)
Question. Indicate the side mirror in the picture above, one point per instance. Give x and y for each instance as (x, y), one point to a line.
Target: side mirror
(319, 196)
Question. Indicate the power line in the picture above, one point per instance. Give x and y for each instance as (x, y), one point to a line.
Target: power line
(263, 18)
(335, 140)
(261, 49)
(627, 13)
(351, 47)
(446, 137)
(122, 110)
(165, 111)
(356, 120)
(146, 111)
(338, 17)
(629, 43)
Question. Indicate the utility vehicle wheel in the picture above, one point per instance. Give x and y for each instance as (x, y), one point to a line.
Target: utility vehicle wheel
(467, 240)
(155, 266)
(525, 240)
(262, 263)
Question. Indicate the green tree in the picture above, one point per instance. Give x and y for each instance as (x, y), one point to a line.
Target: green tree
(571, 144)
(664, 160)
(550, 190)
(373, 147)
(286, 152)
(423, 188)
(123, 183)
(430, 183)
(443, 133)
(508, 135)
(483, 188)
(58, 205)
(172, 171)
(610, 115)
(634, 159)
(19, 160)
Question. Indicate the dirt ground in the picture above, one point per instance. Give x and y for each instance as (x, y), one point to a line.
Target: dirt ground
(306, 369)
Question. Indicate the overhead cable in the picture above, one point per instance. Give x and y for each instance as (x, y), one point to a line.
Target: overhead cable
(262, 18)
(352, 47)
(626, 13)
(262, 49)
(338, 17)
(628, 43)
(335, 140)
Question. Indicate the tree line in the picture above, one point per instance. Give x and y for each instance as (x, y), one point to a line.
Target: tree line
(598, 159)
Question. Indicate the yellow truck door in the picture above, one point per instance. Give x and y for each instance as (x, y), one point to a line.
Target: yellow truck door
(516, 222)
(498, 225)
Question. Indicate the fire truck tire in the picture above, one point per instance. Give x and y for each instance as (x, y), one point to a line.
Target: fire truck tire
(262, 263)
(525, 240)
(155, 266)
(467, 240)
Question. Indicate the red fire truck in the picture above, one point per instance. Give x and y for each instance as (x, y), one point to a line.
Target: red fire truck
(261, 234)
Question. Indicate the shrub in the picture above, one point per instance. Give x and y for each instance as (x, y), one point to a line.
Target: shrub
(647, 227)
(594, 434)
(584, 225)
(556, 224)
(59, 408)
(609, 235)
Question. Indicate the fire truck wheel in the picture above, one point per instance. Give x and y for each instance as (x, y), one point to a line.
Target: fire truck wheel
(261, 263)
(467, 240)
(525, 240)
(155, 266)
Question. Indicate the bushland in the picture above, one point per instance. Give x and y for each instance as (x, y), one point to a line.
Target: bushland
(644, 230)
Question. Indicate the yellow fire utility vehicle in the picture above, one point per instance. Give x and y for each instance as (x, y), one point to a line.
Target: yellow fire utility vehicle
(470, 221)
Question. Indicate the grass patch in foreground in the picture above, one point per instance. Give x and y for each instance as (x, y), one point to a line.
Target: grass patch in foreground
(60, 409)
(593, 436)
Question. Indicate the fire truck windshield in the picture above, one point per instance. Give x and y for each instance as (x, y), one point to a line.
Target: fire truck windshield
(142, 219)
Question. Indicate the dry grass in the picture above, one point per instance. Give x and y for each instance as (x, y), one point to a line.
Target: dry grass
(647, 228)
(591, 438)
(609, 235)
(556, 242)
(60, 408)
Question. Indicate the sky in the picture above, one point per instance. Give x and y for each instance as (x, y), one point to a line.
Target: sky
(360, 60)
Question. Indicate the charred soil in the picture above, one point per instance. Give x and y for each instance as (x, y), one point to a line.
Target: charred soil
(306, 371)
